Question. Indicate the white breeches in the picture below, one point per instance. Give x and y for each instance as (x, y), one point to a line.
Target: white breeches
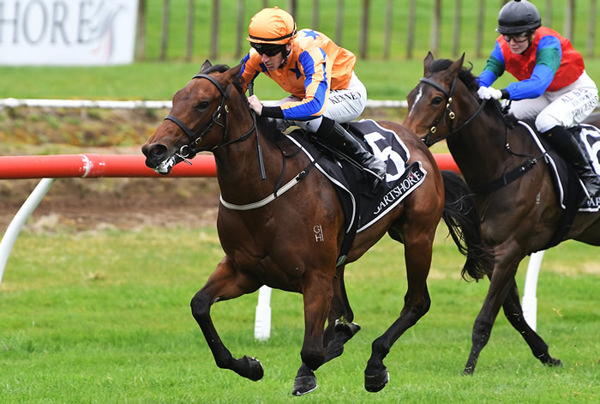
(566, 107)
(343, 105)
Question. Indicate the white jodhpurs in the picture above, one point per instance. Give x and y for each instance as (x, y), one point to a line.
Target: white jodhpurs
(566, 107)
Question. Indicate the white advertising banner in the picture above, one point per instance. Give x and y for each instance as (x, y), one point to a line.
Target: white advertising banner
(67, 32)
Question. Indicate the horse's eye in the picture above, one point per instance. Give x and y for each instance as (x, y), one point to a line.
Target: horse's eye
(202, 105)
(437, 100)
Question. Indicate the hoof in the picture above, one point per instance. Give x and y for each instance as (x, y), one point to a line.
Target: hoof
(304, 385)
(254, 368)
(347, 328)
(547, 360)
(376, 382)
(343, 332)
(553, 362)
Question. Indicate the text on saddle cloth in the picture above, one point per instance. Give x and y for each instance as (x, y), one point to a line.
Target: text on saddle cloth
(589, 138)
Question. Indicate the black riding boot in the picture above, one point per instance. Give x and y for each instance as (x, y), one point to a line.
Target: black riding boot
(568, 147)
(333, 134)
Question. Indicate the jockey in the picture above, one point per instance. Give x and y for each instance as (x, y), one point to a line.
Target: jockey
(553, 84)
(318, 74)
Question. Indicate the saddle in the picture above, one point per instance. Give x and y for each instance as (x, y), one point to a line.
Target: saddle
(362, 206)
(588, 137)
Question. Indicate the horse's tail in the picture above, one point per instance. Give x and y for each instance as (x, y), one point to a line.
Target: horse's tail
(462, 219)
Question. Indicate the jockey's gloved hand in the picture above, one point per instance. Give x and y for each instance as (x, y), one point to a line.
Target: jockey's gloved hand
(485, 93)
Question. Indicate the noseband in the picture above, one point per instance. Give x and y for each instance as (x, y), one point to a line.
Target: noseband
(196, 136)
(447, 112)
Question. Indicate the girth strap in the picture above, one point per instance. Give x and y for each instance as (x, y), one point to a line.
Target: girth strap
(276, 194)
(506, 178)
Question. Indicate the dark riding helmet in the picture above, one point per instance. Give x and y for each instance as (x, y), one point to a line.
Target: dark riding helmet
(518, 16)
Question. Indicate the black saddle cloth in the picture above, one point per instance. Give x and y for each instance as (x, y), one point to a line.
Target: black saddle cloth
(568, 186)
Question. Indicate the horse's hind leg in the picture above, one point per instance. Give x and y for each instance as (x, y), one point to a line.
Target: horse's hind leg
(501, 282)
(514, 313)
(224, 284)
(417, 253)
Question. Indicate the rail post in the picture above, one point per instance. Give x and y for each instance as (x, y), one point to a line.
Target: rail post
(14, 228)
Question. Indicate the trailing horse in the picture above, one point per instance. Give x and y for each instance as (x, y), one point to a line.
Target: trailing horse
(281, 222)
(512, 179)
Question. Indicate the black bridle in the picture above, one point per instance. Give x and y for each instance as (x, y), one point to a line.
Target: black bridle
(219, 118)
(196, 136)
(447, 112)
(505, 178)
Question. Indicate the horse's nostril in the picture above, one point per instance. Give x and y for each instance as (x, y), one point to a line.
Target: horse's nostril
(157, 150)
(154, 151)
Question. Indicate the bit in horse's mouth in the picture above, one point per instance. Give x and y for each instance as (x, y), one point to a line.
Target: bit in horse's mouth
(166, 165)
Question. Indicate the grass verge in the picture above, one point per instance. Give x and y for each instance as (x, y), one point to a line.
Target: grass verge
(107, 320)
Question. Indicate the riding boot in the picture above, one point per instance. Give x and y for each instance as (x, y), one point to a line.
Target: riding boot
(568, 147)
(333, 134)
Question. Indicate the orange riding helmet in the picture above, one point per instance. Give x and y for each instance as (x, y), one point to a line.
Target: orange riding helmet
(271, 26)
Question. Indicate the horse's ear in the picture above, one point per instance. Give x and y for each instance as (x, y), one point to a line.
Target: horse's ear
(234, 72)
(457, 65)
(427, 62)
(205, 65)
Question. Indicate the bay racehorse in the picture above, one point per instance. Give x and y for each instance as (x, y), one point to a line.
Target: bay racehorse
(512, 186)
(290, 239)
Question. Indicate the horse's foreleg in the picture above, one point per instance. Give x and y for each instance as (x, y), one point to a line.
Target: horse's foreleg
(223, 285)
(416, 304)
(500, 283)
(317, 294)
(514, 313)
(340, 327)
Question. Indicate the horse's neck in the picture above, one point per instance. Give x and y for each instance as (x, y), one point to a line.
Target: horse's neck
(479, 149)
(240, 165)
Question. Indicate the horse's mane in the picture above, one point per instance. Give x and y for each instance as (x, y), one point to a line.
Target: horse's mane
(221, 68)
(470, 81)
(271, 128)
(465, 75)
(216, 68)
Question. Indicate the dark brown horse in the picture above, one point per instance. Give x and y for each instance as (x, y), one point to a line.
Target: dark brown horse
(291, 239)
(513, 188)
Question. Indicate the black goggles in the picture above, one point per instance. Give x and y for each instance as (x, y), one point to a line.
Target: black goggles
(518, 38)
(267, 49)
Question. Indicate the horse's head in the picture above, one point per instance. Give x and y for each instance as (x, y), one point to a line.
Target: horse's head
(197, 121)
(432, 106)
